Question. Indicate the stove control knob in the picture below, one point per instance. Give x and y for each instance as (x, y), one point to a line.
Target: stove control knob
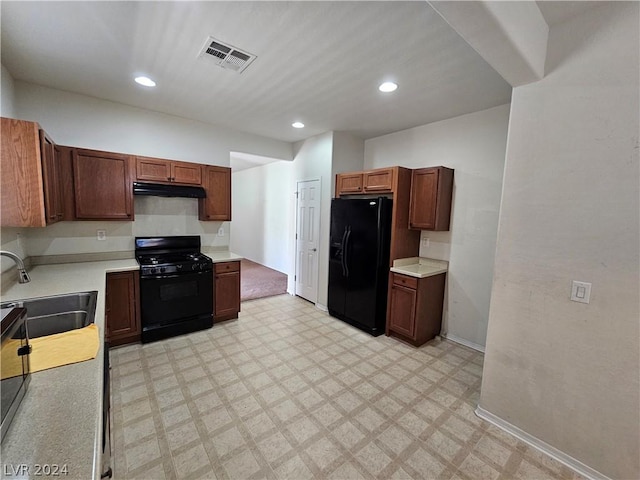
(194, 266)
(179, 266)
(152, 270)
(162, 269)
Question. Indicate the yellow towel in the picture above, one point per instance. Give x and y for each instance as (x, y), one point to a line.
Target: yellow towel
(53, 350)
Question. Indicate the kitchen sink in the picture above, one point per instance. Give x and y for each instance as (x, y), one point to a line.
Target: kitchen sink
(58, 313)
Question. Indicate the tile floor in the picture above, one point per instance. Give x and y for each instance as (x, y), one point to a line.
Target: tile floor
(288, 392)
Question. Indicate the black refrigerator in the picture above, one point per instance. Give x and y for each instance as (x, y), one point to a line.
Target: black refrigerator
(359, 262)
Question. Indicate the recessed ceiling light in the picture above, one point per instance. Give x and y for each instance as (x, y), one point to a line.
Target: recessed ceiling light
(387, 87)
(145, 81)
(297, 125)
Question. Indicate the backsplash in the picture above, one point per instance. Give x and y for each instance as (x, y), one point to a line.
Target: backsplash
(153, 216)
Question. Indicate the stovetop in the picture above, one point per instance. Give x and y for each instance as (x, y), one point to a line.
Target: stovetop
(171, 258)
(168, 255)
(151, 265)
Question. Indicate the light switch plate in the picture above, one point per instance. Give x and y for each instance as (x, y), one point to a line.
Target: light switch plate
(580, 291)
(101, 234)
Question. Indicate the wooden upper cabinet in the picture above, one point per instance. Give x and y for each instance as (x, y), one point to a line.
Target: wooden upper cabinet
(168, 171)
(30, 184)
(347, 183)
(103, 185)
(380, 180)
(217, 184)
(431, 193)
(52, 179)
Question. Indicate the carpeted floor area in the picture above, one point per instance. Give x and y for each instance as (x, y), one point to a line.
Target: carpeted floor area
(258, 281)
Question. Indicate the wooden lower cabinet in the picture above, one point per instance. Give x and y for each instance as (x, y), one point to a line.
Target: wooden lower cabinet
(415, 307)
(226, 295)
(122, 309)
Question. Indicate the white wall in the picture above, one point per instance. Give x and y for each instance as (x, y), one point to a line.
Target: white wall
(568, 373)
(347, 155)
(263, 200)
(312, 161)
(81, 121)
(7, 93)
(474, 146)
(153, 216)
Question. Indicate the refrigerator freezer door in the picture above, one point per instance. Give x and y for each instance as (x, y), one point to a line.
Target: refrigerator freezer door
(358, 261)
(361, 250)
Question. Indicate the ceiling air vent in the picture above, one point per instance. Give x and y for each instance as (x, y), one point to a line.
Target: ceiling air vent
(226, 56)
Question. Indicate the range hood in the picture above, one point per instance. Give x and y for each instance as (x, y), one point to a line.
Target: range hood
(161, 190)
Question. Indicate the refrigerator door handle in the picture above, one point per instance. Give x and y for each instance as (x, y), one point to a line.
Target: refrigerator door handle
(342, 252)
(345, 257)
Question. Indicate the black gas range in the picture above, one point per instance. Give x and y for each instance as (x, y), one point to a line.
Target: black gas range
(176, 286)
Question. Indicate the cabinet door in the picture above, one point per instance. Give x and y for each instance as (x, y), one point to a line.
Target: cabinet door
(103, 187)
(51, 179)
(424, 191)
(217, 184)
(122, 310)
(227, 290)
(348, 183)
(153, 169)
(431, 195)
(378, 180)
(402, 313)
(21, 180)
(189, 173)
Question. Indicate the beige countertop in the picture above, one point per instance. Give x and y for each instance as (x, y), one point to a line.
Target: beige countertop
(60, 418)
(419, 267)
(219, 256)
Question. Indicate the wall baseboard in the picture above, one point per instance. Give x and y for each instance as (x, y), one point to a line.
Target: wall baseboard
(553, 452)
(462, 341)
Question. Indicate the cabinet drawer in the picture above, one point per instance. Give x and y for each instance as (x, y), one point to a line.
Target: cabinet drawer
(405, 281)
(227, 267)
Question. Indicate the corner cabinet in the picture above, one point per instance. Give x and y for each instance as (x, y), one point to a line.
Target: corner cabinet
(415, 307)
(31, 178)
(226, 295)
(103, 185)
(217, 183)
(122, 309)
(168, 171)
(431, 194)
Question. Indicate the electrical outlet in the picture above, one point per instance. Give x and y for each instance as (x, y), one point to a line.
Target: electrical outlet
(580, 291)
(101, 235)
(221, 232)
(425, 242)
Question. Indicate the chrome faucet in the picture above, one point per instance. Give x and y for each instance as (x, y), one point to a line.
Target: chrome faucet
(23, 276)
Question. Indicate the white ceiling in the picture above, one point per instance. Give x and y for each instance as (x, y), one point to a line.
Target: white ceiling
(317, 62)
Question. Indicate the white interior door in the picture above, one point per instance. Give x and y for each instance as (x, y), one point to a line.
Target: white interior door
(307, 239)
